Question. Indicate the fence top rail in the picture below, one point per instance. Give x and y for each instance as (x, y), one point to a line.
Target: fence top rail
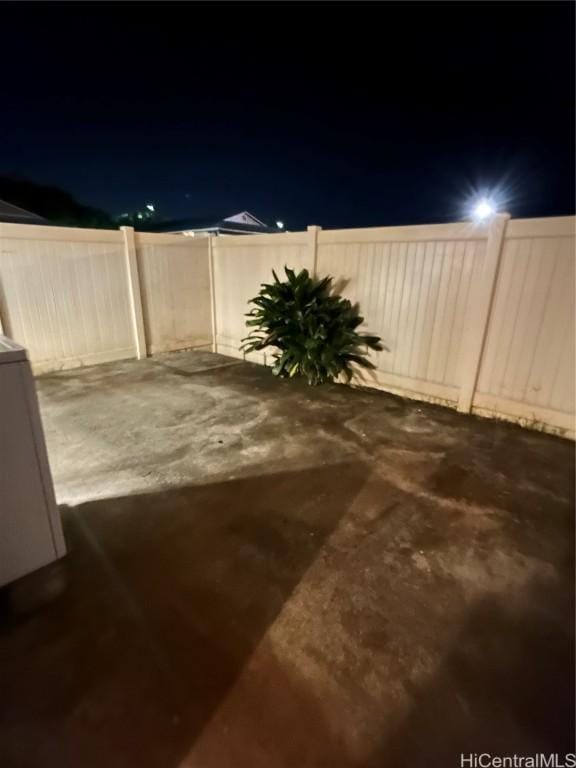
(280, 239)
(67, 234)
(82, 235)
(555, 226)
(165, 238)
(416, 233)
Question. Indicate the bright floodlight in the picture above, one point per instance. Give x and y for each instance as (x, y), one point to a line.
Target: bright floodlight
(150, 207)
(280, 224)
(483, 210)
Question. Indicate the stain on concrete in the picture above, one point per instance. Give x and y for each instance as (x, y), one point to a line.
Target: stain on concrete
(267, 574)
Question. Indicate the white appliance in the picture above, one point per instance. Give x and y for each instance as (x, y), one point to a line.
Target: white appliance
(30, 526)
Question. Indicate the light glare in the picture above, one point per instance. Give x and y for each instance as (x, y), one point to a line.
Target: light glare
(483, 210)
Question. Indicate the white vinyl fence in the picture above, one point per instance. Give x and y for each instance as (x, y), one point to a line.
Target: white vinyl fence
(477, 317)
(82, 296)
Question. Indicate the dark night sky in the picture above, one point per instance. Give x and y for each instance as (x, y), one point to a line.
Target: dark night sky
(342, 114)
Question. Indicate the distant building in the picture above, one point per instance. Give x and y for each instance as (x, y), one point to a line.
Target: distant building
(12, 214)
(243, 223)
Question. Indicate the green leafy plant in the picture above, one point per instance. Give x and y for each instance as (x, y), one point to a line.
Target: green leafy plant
(313, 332)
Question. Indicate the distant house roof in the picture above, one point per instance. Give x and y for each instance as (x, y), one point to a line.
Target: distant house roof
(14, 215)
(243, 223)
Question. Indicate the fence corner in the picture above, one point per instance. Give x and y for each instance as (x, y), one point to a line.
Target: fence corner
(134, 291)
(480, 311)
(313, 230)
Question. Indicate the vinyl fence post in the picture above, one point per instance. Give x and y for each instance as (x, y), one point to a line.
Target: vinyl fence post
(313, 244)
(212, 292)
(480, 309)
(134, 292)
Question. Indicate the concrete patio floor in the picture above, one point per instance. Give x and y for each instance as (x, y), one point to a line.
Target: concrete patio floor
(265, 575)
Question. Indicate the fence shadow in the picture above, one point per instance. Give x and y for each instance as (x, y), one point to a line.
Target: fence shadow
(505, 687)
(168, 595)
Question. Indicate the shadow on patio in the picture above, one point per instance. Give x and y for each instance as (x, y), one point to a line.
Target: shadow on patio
(502, 688)
(169, 593)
